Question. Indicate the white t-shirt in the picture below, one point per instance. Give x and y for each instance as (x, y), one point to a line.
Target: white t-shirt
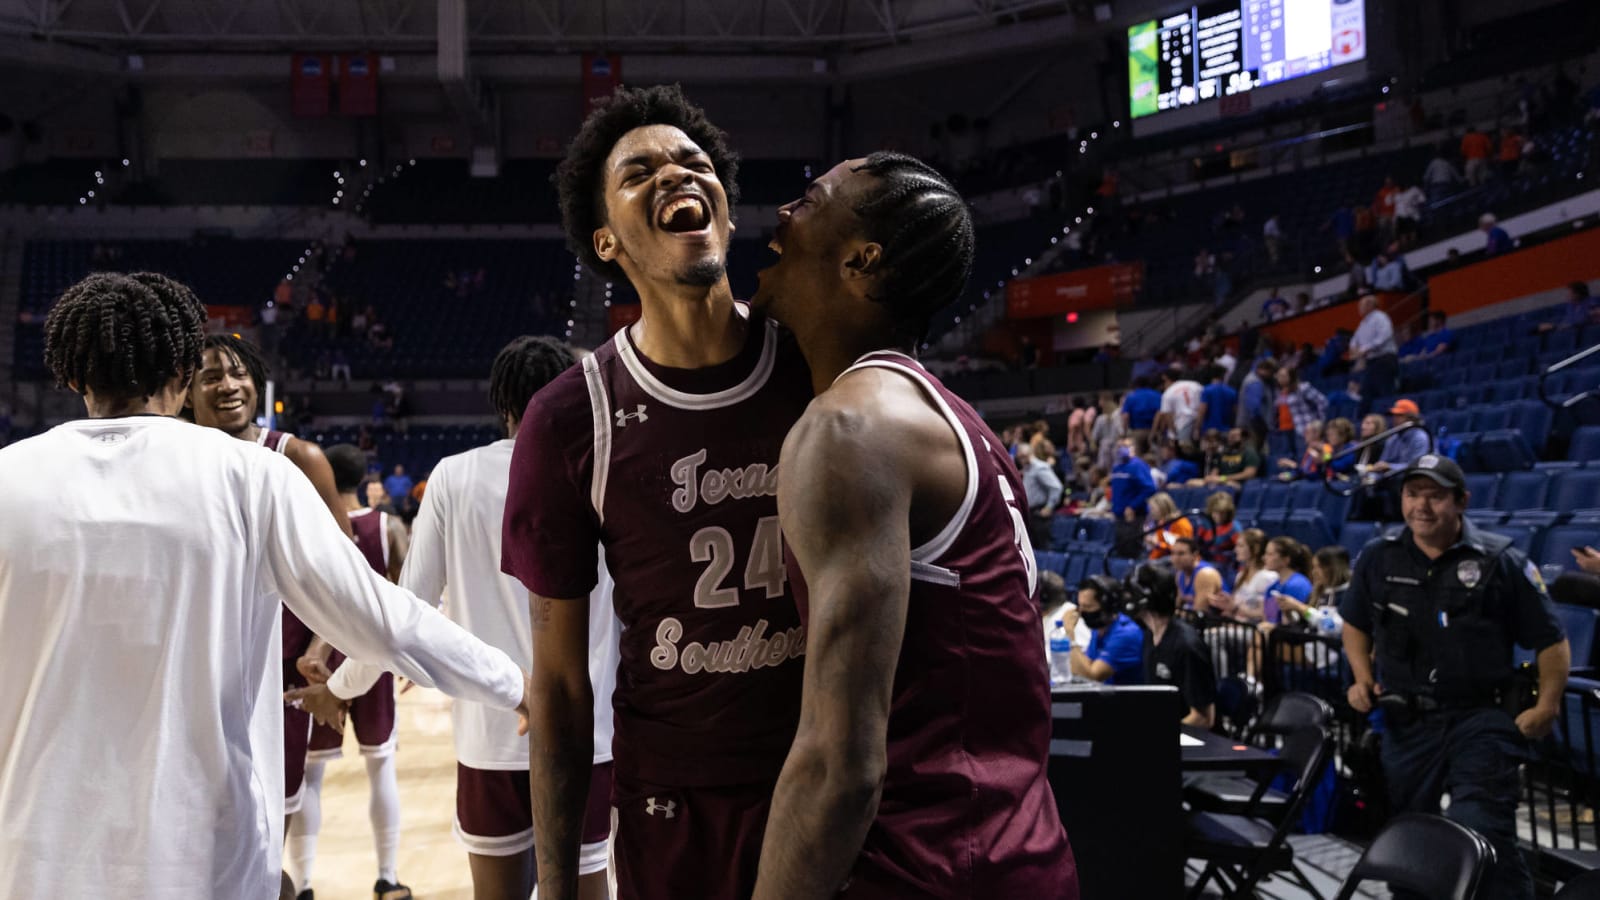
(1182, 401)
(455, 551)
(142, 562)
(1408, 203)
(1250, 597)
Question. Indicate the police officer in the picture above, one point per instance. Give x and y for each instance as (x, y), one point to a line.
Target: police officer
(1437, 608)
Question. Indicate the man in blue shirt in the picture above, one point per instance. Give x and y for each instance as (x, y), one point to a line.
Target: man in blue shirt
(1257, 413)
(1131, 481)
(1496, 239)
(1139, 408)
(1406, 447)
(1115, 654)
(1177, 469)
(398, 486)
(1579, 310)
(1438, 339)
(1219, 404)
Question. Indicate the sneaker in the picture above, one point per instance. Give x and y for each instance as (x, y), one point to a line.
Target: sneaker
(383, 890)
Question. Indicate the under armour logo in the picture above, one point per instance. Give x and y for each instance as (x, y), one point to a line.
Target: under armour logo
(670, 808)
(638, 414)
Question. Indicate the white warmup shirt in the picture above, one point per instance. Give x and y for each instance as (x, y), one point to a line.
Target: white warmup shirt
(455, 549)
(142, 561)
(1181, 400)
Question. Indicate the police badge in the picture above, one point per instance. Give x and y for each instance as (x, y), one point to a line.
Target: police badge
(1469, 573)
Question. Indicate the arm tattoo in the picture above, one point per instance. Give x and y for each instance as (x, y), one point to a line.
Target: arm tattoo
(542, 607)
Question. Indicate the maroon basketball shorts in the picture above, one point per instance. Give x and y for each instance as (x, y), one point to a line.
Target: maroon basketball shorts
(494, 816)
(372, 717)
(296, 738)
(671, 843)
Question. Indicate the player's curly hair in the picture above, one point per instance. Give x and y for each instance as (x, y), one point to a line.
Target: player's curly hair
(580, 178)
(248, 356)
(927, 236)
(521, 368)
(349, 465)
(123, 336)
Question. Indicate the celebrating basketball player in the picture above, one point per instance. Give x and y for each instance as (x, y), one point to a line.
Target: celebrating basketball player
(919, 764)
(456, 546)
(141, 564)
(663, 446)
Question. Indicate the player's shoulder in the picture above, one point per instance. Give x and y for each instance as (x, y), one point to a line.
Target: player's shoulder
(564, 402)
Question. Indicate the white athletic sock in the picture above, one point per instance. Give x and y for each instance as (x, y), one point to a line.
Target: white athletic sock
(384, 810)
(301, 852)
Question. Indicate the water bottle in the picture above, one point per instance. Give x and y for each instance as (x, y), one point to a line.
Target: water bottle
(1060, 654)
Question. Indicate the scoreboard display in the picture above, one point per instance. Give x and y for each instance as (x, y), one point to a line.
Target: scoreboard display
(1219, 49)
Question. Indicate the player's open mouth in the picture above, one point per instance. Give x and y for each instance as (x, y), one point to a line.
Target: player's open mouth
(230, 405)
(775, 246)
(684, 215)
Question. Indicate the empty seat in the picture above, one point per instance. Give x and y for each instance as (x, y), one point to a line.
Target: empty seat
(1250, 496)
(1482, 486)
(1576, 489)
(1309, 527)
(1490, 417)
(1277, 496)
(1579, 623)
(1523, 490)
(1585, 443)
(1062, 530)
(1559, 542)
(1355, 535)
(1051, 562)
(1304, 495)
(1522, 536)
(1505, 450)
(1534, 420)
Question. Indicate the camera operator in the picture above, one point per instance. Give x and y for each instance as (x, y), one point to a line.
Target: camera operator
(1176, 655)
(1430, 621)
(1115, 654)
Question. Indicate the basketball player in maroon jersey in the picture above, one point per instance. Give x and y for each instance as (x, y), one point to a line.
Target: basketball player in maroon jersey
(226, 394)
(663, 447)
(381, 538)
(919, 765)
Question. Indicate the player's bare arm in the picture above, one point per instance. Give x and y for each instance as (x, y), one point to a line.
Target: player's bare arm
(847, 488)
(399, 544)
(561, 748)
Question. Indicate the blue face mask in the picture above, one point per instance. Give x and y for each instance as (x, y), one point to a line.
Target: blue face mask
(1124, 454)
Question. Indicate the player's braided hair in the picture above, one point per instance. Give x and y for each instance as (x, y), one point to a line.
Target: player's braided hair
(580, 178)
(523, 367)
(248, 356)
(123, 336)
(927, 236)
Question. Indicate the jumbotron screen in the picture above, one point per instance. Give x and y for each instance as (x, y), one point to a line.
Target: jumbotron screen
(1215, 50)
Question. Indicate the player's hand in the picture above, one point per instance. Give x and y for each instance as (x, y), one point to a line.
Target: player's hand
(320, 702)
(525, 709)
(314, 669)
(1537, 723)
(406, 684)
(1361, 694)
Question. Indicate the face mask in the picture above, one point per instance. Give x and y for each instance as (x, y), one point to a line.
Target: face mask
(1124, 454)
(1098, 619)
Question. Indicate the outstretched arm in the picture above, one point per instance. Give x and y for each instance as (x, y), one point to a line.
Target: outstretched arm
(845, 509)
(308, 458)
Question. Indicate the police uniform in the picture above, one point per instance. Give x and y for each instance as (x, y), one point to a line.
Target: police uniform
(1443, 631)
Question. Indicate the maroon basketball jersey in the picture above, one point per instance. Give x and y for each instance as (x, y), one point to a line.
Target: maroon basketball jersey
(296, 636)
(967, 811)
(675, 472)
(371, 528)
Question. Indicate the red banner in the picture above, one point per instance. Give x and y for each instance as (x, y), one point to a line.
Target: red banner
(358, 84)
(1542, 267)
(1102, 287)
(620, 316)
(310, 84)
(602, 74)
(228, 318)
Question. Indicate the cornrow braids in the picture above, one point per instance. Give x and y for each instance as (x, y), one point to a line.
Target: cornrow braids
(123, 336)
(523, 367)
(927, 236)
(580, 178)
(247, 355)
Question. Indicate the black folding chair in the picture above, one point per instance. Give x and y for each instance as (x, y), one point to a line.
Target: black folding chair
(1431, 855)
(1240, 850)
(1584, 887)
(1238, 793)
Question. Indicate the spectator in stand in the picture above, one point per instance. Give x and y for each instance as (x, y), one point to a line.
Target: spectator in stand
(1309, 466)
(1340, 434)
(359, 320)
(379, 337)
(1475, 150)
(1387, 271)
(1580, 310)
(1180, 407)
(1343, 225)
(1115, 654)
(283, 294)
(1199, 582)
(1039, 439)
(1043, 489)
(1247, 600)
(1291, 562)
(1131, 481)
(1510, 152)
(1272, 238)
(1496, 239)
(1275, 307)
(1079, 424)
(1256, 402)
(1176, 468)
(316, 314)
(1373, 352)
(1227, 361)
(377, 497)
(339, 365)
(1410, 341)
(1164, 524)
(1299, 404)
(1140, 408)
(1405, 447)
(1219, 404)
(398, 486)
(1364, 243)
(1237, 463)
(1408, 215)
(1220, 539)
(1145, 367)
(1438, 339)
(1359, 279)
(1383, 208)
(1107, 431)
(1332, 359)
(1441, 175)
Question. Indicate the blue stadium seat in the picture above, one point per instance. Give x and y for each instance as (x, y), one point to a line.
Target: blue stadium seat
(1490, 417)
(1552, 466)
(1573, 490)
(1062, 530)
(1120, 566)
(1483, 518)
(1585, 445)
(1075, 569)
(1522, 536)
(1051, 562)
(1559, 542)
(1580, 623)
(1335, 508)
(1305, 495)
(1534, 420)
(1452, 420)
(1463, 448)
(1250, 496)
(1483, 487)
(1276, 497)
(1355, 535)
(1309, 528)
(1535, 518)
(1097, 529)
(1272, 521)
(1505, 450)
